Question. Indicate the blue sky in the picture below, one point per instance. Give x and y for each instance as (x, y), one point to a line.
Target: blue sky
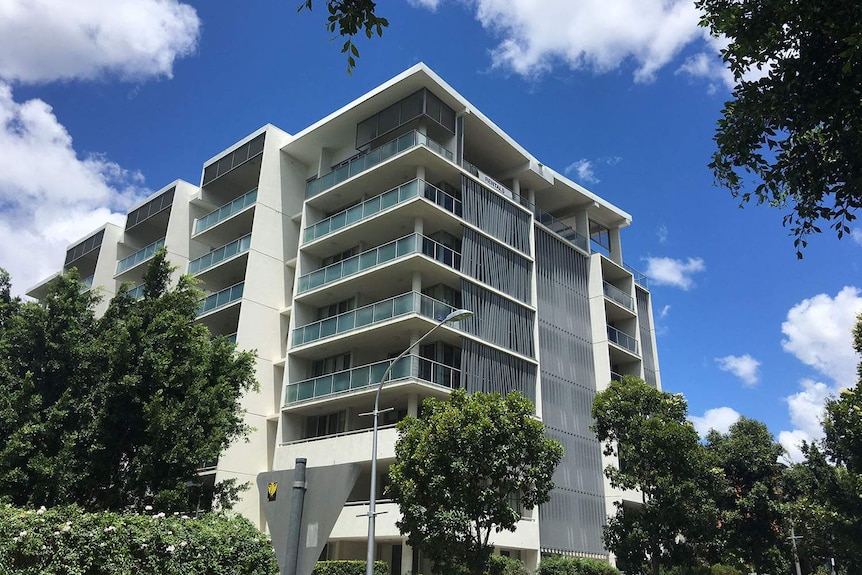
(101, 106)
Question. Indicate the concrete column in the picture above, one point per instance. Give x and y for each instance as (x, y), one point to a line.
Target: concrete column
(416, 284)
(516, 187)
(413, 404)
(616, 246)
(418, 225)
(531, 196)
(420, 172)
(582, 223)
(406, 558)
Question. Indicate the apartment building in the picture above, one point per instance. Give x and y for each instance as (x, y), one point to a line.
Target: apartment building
(331, 251)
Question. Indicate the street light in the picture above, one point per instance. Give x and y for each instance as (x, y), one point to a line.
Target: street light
(456, 315)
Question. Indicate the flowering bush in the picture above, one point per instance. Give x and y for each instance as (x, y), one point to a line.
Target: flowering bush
(67, 541)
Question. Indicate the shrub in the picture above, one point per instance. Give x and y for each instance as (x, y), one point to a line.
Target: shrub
(348, 568)
(501, 565)
(67, 541)
(724, 570)
(574, 566)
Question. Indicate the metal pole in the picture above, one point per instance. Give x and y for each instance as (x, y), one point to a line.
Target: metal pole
(294, 518)
(793, 537)
(455, 315)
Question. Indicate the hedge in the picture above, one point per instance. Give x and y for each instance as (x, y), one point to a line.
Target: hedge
(348, 568)
(67, 541)
(574, 566)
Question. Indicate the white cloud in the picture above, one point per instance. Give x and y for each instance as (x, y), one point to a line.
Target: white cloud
(662, 234)
(50, 196)
(582, 170)
(673, 272)
(429, 4)
(818, 330)
(818, 333)
(719, 419)
(856, 234)
(45, 40)
(806, 413)
(664, 311)
(742, 366)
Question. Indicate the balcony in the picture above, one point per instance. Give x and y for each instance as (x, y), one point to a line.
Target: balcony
(404, 304)
(86, 284)
(623, 340)
(221, 299)
(139, 256)
(640, 278)
(564, 231)
(224, 212)
(219, 255)
(371, 158)
(412, 366)
(412, 244)
(384, 201)
(614, 293)
(137, 292)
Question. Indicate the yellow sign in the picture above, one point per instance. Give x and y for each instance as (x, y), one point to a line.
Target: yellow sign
(271, 491)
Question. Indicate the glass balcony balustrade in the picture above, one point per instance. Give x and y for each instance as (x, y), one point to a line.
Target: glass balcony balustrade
(623, 340)
(221, 214)
(139, 256)
(408, 303)
(137, 292)
(395, 196)
(640, 278)
(616, 294)
(411, 366)
(563, 230)
(86, 283)
(371, 158)
(219, 255)
(412, 244)
(222, 298)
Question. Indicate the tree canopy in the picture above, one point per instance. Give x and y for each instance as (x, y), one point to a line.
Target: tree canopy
(796, 132)
(659, 454)
(465, 469)
(114, 412)
(348, 18)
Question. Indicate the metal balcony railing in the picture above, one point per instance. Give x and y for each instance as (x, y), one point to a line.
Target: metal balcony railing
(411, 366)
(139, 256)
(410, 302)
(372, 206)
(412, 244)
(220, 254)
(616, 294)
(221, 298)
(622, 339)
(224, 212)
(371, 158)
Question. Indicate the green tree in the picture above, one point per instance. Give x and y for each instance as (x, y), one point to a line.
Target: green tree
(797, 131)
(750, 499)
(116, 412)
(348, 18)
(660, 455)
(462, 471)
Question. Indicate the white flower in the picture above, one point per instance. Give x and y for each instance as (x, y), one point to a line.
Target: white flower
(184, 516)
(41, 510)
(183, 544)
(66, 527)
(143, 545)
(22, 534)
(170, 532)
(110, 528)
(170, 548)
(159, 515)
(56, 533)
(148, 508)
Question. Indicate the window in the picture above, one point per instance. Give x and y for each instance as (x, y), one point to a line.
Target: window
(336, 308)
(340, 256)
(600, 235)
(444, 293)
(323, 425)
(330, 364)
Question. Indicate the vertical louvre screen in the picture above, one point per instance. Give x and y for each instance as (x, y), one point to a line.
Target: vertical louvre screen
(572, 521)
(647, 351)
(495, 265)
(490, 370)
(498, 217)
(497, 319)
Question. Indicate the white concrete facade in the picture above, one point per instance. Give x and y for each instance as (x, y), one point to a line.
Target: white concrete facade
(331, 251)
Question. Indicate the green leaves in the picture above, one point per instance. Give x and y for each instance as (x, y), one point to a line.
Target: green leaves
(119, 411)
(459, 469)
(792, 138)
(348, 18)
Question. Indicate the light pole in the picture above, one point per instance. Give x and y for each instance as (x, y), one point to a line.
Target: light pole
(456, 315)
